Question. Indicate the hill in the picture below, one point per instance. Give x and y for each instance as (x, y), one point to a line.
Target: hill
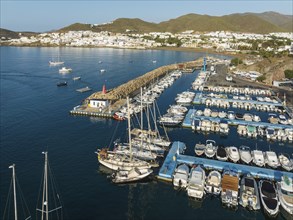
(8, 34)
(262, 23)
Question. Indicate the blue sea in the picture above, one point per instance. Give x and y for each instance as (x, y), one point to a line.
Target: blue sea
(35, 118)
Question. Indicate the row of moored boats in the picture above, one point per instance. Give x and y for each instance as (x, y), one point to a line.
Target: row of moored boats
(233, 190)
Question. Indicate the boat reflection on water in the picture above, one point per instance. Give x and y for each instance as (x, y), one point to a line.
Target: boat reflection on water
(195, 203)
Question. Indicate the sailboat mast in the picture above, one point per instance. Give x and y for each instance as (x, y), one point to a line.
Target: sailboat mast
(129, 134)
(45, 189)
(14, 190)
(141, 116)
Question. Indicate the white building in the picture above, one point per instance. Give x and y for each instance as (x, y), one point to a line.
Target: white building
(98, 103)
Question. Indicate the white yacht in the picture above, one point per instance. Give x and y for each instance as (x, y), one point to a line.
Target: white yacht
(271, 159)
(210, 149)
(213, 183)
(135, 174)
(65, 70)
(196, 180)
(269, 197)
(245, 155)
(249, 196)
(180, 176)
(233, 154)
(258, 158)
(285, 162)
(285, 193)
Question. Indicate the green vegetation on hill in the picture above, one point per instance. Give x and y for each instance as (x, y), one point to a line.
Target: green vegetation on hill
(289, 74)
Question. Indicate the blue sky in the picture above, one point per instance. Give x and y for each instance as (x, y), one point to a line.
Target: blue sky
(49, 15)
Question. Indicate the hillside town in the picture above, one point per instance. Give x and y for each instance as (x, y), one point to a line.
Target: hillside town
(220, 41)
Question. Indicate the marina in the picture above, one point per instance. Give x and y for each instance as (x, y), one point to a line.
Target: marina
(92, 185)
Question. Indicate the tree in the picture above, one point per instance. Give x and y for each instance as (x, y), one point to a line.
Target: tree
(261, 78)
(288, 74)
(235, 62)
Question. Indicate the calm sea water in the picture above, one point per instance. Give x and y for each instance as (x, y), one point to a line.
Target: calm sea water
(35, 118)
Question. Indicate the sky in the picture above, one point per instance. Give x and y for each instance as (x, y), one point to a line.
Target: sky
(42, 16)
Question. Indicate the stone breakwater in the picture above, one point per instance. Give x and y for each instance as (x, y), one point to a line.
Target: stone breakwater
(132, 86)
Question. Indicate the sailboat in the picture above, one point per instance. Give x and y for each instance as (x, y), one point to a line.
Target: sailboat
(26, 213)
(56, 63)
(47, 209)
(121, 162)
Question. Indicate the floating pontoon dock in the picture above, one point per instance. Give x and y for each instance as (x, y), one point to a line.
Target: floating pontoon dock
(191, 114)
(201, 99)
(173, 158)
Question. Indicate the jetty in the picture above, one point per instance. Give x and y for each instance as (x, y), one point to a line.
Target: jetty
(116, 97)
(175, 157)
(187, 122)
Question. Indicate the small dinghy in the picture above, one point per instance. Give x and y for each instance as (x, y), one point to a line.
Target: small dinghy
(269, 198)
(249, 196)
(135, 174)
(213, 183)
(245, 155)
(62, 84)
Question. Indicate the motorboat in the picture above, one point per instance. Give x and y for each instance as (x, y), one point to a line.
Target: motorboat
(247, 117)
(270, 133)
(271, 159)
(273, 119)
(65, 70)
(245, 155)
(256, 118)
(196, 124)
(199, 149)
(207, 112)
(249, 195)
(180, 176)
(62, 84)
(269, 197)
(135, 174)
(285, 193)
(224, 127)
(196, 180)
(221, 153)
(239, 116)
(251, 131)
(231, 115)
(242, 130)
(283, 120)
(222, 114)
(233, 154)
(213, 183)
(76, 78)
(102, 70)
(258, 158)
(285, 162)
(230, 184)
(210, 149)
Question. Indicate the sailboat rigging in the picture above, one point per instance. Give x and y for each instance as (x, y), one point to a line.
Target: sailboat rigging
(45, 211)
(26, 214)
